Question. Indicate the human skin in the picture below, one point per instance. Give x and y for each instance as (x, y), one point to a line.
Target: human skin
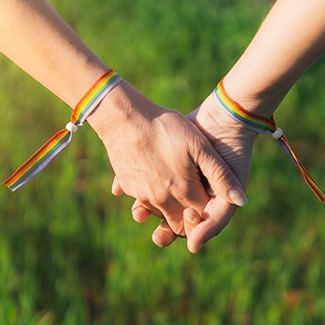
(290, 39)
(156, 153)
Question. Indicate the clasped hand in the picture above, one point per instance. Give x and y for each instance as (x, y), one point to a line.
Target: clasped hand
(191, 172)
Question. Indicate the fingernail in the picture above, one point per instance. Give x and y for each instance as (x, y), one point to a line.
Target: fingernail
(238, 197)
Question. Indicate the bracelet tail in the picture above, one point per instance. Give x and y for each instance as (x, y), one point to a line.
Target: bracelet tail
(283, 141)
(61, 139)
(39, 160)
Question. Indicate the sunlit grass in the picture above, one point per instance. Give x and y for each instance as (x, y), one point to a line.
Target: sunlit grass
(69, 251)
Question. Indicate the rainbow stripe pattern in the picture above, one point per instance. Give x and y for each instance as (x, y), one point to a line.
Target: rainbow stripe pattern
(263, 125)
(40, 159)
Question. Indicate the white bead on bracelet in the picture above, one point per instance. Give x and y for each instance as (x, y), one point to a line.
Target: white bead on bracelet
(277, 134)
(71, 127)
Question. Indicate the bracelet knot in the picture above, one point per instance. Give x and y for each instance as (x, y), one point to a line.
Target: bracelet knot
(277, 134)
(263, 125)
(71, 127)
(41, 158)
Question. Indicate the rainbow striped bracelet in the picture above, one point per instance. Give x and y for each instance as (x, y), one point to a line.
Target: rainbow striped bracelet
(40, 159)
(263, 125)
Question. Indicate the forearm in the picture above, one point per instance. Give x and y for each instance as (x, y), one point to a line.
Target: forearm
(290, 39)
(38, 40)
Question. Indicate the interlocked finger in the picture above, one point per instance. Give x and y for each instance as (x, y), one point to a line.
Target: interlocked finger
(141, 211)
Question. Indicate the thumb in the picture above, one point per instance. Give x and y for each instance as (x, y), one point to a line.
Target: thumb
(216, 215)
(220, 177)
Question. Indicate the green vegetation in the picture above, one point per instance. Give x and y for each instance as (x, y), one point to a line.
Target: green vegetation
(69, 251)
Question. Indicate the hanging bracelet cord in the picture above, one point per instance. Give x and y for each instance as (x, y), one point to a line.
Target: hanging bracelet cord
(40, 159)
(263, 125)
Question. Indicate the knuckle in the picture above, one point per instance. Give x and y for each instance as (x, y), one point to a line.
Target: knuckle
(142, 199)
(183, 192)
(197, 147)
(160, 200)
(220, 174)
(127, 189)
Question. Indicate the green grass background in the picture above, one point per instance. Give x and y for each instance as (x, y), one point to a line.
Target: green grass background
(70, 252)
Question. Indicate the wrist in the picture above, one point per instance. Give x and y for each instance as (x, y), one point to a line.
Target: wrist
(122, 107)
(262, 102)
(102, 118)
(222, 123)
